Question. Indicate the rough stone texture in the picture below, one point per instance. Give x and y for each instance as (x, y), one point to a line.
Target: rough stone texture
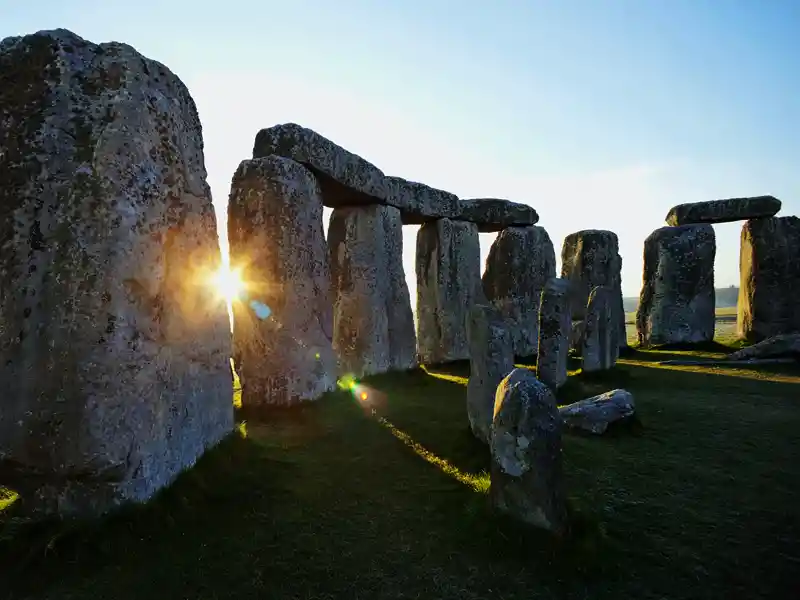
(591, 258)
(420, 203)
(676, 304)
(723, 211)
(373, 326)
(275, 232)
(526, 469)
(576, 336)
(769, 270)
(491, 359)
(114, 349)
(448, 283)
(520, 262)
(555, 328)
(495, 214)
(599, 343)
(787, 344)
(597, 413)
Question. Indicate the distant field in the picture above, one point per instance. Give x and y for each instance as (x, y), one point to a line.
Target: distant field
(725, 330)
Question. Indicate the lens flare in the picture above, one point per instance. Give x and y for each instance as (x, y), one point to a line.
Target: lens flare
(364, 395)
(228, 283)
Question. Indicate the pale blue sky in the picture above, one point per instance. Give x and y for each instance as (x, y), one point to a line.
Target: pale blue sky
(599, 113)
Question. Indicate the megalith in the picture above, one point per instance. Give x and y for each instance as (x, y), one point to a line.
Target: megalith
(283, 326)
(769, 270)
(448, 271)
(114, 346)
(521, 260)
(599, 343)
(676, 304)
(723, 211)
(555, 329)
(597, 413)
(373, 326)
(491, 359)
(527, 477)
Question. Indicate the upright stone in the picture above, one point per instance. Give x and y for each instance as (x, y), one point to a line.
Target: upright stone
(491, 359)
(373, 326)
(555, 329)
(677, 300)
(723, 211)
(114, 347)
(769, 267)
(448, 283)
(526, 469)
(520, 262)
(599, 343)
(283, 328)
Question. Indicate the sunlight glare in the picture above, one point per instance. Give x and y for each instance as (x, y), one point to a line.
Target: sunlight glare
(228, 283)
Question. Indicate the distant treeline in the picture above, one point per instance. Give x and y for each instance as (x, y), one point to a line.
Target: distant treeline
(725, 298)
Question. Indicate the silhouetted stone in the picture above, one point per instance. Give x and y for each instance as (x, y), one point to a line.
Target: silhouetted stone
(491, 359)
(372, 320)
(599, 343)
(769, 268)
(555, 328)
(448, 284)
(595, 414)
(520, 262)
(114, 348)
(283, 352)
(494, 214)
(787, 344)
(723, 211)
(526, 469)
(677, 300)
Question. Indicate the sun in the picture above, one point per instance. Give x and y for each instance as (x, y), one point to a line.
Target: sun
(228, 283)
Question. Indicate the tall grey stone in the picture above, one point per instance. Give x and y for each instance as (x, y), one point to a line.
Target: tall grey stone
(723, 211)
(555, 329)
(491, 359)
(527, 478)
(769, 270)
(448, 283)
(373, 326)
(520, 262)
(283, 327)
(676, 304)
(599, 342)
(114, 347)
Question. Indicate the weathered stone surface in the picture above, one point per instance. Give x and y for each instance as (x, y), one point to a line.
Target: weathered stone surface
(555, 328)
(495, 214)
(283, 329)
(787, 344)
(723, 211)
(591, 258)
(576, 335)
(520, 262)
(526, 468)
(676, 304)
(599, 343)
(597, 413)
(373, 326)
(769, 270)
(114, 349)
(448, 283)
(491, 359)
(420, 203)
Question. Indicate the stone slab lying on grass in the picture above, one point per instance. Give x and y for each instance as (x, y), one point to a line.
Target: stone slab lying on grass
(595, 414)
(777, 346)
(723, 211)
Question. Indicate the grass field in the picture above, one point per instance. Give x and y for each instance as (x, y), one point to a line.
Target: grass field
(333, 501)
(724, 330)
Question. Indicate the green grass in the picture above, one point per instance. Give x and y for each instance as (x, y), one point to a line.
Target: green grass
(724, 328)
(334, 501)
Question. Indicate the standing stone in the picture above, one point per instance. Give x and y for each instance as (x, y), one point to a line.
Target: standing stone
(677, 300)
(491, 359)
(723, 211)
(555, 329)
(448, 266)
(599, 344)
(373, 326)
(114, 346)
(769, 268)
(283, 328)
(520, 262)
(526, 470)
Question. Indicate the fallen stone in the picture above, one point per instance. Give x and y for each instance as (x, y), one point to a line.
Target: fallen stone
(595, 414)
(283, 354)
(599, 343)
(769, 268)
(555, 327)
(448, 283)
(777, 346)
(710, 362)
(494, 214)
(526, 469)
(114, 346)
(723, 211)
(520, 262)
(373, 326)
(676, 304)
(420, 203)
(491, 359)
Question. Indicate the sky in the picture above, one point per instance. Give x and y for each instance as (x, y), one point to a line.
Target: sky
(601, 114)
